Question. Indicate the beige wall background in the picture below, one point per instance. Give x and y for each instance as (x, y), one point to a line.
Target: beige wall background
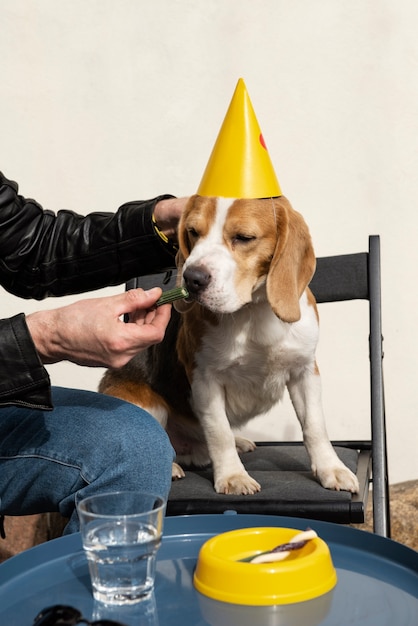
(105, 101)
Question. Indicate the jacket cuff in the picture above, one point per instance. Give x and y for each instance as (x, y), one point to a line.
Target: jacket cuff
(24, 381)
(150, 225)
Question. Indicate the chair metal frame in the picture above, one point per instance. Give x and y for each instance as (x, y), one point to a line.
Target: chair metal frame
(351, 277)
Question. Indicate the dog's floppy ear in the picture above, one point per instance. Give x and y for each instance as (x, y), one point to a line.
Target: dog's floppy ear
(293, 263)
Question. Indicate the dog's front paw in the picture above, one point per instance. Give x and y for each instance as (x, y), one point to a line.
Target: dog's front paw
(177, 472)
(339, 478)
(238, 484)
(244, 445)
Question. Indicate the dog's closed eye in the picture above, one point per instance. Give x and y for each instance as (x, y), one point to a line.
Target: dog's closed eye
(243, 239)
(192, 232)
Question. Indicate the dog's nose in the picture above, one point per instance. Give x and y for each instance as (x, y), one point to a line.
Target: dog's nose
(196, 279)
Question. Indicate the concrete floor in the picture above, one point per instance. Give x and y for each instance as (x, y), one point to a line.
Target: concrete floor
(27, 531)
(404, 513)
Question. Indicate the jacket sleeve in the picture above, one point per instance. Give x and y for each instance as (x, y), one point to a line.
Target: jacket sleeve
(24, 380)
(46, 254)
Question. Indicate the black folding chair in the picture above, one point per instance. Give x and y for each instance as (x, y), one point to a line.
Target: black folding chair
(283, 469)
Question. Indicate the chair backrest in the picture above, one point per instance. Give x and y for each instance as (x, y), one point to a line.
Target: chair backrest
(343, 277)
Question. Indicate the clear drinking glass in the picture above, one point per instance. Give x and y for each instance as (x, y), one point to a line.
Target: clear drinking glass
(121, 533)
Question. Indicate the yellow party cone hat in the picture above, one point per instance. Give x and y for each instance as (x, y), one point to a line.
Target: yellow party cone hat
(240, 166)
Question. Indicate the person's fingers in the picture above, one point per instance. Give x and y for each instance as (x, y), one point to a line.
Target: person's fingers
(135, 301)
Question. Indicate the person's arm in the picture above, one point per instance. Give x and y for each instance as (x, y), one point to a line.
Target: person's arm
(89, 332)
(44, 254)
(92, 332)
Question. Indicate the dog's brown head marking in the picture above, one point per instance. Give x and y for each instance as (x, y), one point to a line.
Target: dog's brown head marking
(241, 245)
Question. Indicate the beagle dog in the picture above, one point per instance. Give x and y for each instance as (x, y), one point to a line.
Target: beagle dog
(248, 331)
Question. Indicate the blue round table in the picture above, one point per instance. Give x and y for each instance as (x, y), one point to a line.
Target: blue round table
(377, 581)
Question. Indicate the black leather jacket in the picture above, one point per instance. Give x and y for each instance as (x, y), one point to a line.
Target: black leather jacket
(46, 254)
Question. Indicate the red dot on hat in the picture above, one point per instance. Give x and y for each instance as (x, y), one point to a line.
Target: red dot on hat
(263, 143)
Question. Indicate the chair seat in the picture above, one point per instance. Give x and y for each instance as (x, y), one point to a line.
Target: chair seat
(288, 487)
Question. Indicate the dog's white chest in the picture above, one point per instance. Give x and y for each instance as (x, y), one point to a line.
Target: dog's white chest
(250, 356)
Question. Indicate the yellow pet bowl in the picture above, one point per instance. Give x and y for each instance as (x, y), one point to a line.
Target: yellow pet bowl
(221, 575)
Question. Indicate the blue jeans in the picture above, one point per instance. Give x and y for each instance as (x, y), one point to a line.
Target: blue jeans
(90, 442)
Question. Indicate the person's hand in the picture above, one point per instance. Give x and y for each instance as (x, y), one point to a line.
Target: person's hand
(92, 331)
(167, 214)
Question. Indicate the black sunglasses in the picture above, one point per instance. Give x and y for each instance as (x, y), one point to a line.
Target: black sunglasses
(61, 615)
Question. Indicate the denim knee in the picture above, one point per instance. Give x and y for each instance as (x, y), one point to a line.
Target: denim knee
(121, 439)
(89, 443)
